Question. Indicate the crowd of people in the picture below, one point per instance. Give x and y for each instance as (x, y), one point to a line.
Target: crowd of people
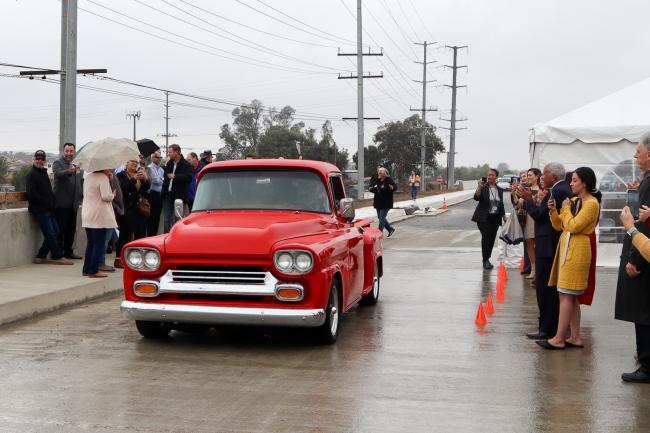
(131, 199)
(559, 212)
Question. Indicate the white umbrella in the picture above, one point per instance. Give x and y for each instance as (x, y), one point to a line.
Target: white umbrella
(106, 154)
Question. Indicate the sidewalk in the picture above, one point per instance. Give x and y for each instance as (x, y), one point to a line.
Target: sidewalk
(31, 290)
(433, 202)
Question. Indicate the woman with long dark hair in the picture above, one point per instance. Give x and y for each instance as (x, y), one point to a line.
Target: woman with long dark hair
(489, 214)
(577, 220)
(533, 176)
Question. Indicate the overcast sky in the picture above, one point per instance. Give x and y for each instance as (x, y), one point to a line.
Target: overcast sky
(528, 62)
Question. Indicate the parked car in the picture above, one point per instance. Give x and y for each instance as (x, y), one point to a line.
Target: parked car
(268, 242)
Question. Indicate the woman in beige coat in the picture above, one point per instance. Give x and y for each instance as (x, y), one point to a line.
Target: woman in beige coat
(97, 217)
(577, 220)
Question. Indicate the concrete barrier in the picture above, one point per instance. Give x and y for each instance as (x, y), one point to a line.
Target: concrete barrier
(21, 237)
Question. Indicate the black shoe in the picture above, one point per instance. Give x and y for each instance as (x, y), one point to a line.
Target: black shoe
(638, 376)
(487, 265)
(546, 345)
(538, 335)
(390, 233)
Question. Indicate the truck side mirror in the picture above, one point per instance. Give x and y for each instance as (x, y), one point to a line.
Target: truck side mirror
(178, 208)
(346, 209)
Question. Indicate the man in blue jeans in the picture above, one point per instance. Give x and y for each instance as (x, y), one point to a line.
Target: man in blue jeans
(41, 205)
(383, 187)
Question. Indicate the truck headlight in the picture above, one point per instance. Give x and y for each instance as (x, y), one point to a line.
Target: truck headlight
(142, 259)
(293, 261)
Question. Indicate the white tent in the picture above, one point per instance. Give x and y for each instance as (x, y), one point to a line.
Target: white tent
(601, 135)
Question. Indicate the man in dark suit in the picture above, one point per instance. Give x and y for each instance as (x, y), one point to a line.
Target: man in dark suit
(178, 175)
(546, 240)
(633, 289)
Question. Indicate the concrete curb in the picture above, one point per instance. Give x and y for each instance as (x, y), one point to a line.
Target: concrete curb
(433, 213)
(27, 306)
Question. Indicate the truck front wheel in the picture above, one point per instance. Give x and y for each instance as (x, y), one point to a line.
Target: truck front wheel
(329, 330)
(154, 330)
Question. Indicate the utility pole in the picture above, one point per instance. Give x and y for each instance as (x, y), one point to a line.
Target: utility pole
(452, 127)
(360, 77)
(424, 109)
(167, 134)
(68, 74)
(68, 90)
(135, 115)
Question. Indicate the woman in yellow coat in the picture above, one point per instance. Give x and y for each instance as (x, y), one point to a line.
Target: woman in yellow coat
(577, 219)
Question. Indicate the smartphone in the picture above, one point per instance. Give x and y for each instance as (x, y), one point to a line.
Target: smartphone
(633, 202)
(484, 179)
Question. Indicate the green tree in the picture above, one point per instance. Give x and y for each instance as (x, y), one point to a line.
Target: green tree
(244, 136)
(398, 147)
(18, 180)
(4, 165)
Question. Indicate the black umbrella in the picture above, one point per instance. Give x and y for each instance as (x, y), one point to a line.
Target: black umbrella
(147, 146)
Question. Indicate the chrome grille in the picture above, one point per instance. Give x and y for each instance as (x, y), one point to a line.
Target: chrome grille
(219, 275)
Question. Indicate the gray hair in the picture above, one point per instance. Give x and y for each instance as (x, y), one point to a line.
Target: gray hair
(645, 140)
(556, 169)
(382, 169)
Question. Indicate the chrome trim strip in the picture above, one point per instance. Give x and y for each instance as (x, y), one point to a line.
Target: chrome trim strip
(223, 315)
(168, 285)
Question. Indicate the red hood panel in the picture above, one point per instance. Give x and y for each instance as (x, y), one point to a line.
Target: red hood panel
(228, 234)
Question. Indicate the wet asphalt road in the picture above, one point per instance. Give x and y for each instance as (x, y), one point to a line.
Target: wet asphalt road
(414, 363)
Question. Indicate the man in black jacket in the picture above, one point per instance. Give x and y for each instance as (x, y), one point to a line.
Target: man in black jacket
(41, 205)
(633, 288)
(178, 175)
(383, 188)
(546, 240)
(68, 191)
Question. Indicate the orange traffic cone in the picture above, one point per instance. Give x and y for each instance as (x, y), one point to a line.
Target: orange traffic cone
(501, 292)
(521, 264)
(489, 306)
(480, 315)
(444, 204)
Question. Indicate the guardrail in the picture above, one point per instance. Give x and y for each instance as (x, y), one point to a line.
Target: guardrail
(11, 198)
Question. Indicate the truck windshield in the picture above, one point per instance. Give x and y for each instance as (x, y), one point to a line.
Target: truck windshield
(299, 190)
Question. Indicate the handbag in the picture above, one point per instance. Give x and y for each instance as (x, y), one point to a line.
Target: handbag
(144, 207)
(511, 232)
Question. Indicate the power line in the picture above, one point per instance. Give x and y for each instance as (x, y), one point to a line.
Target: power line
(249, 44)
(311, 44)
(419, 17)
(305, 24)
(399, 3)
(399, 28)
(291, 25)
(253, 62)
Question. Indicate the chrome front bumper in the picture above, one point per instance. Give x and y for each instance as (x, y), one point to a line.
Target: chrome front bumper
(222, 315)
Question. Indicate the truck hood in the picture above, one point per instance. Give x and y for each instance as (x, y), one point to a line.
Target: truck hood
(240, 234)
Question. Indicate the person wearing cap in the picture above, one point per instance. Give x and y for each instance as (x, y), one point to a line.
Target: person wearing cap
(41, 204)
(67, 198)
(206, 157)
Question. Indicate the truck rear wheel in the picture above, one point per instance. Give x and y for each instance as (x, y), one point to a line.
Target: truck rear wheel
(153, 330)
(329, 330)
(372, 296)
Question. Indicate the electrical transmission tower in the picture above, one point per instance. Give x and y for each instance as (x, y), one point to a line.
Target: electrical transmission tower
(424, 110)
(452, 126)
(135, 115)
(360, 77)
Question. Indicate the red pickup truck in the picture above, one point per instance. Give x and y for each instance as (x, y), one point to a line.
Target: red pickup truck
(268, 243)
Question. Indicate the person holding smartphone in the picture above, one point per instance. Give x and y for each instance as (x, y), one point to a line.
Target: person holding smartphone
(640, 241)
(546, 241)
(489, 214)
(633, 288)
(383, 188)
